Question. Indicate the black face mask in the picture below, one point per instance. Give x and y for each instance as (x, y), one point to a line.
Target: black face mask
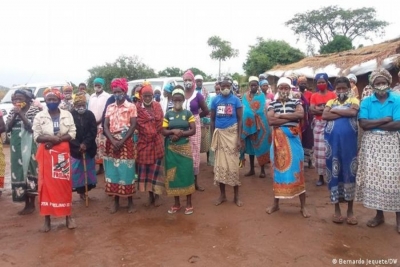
(302, 88)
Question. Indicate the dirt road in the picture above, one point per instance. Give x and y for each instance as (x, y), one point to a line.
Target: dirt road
(213, 236)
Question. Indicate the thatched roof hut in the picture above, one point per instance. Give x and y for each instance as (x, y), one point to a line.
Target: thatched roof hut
(359, 61)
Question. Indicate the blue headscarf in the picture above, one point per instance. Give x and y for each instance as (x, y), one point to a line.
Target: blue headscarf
(169, 88)
(263, 82)
(324, 76)
(99, 80)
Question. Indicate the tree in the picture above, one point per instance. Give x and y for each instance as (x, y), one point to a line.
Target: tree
(221, 50)
(338, 44)
(266, 54)
(324, 24)
(124, 67)
(170, 72)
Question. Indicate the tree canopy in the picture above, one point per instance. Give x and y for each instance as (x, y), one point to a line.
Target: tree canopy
(338, 44)
(264, 55)
(170, 72)
(124, 67)
(324, 24)
(221, 50)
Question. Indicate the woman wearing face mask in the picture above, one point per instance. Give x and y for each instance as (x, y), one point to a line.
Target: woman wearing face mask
(23, 148)
(119, 162)
(150, 147)
(341, 148)
(83, 144)
(166, 102)
(226, 126)
(53, 129)
(256, 132)
(353, 82)
(157, 94)
(67, 103)
(287, 155)
(317, 106)
(178, 125)
(195, 102)
(378, 183)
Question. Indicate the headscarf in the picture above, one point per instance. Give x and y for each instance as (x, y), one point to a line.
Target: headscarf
(52, 91)
(121, 83)
(146, 89)
(225, 79)
(178, 91)
(293, 77)
(100, 81)
(169, 88)
(190, 74)
(380, 73)
(284, 80)
(26, 92)
(253, 79)
(324, 76)
(262, 75)
(80, 98)
(263, 82)
(353, 77)
(302, 79)
(65, 87)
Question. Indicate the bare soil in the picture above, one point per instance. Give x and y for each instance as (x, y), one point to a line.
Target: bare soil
(224, 235)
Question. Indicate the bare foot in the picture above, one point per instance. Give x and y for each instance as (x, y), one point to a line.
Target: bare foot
(250, 173)
(27, 210)
(131, 209)
(114, 208)
(305, 213)
(46, 226)
(149, 202)
(262, 175)
(157, 201)
(272, 209)
(238, 202)
(219, 201)
(70, 222)
(199, 188)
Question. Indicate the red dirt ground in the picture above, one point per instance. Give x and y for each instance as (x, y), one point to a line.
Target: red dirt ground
(213, 236)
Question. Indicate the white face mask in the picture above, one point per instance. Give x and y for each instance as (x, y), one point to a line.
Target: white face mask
(226, 91)
(188, 85)
(98, 89)
(147, 103)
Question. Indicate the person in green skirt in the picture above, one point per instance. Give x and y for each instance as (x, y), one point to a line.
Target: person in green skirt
(23, 149)
(178, 125)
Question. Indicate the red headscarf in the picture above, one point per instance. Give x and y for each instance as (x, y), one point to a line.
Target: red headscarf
(121, 83)
(52, 91)
(146, 89)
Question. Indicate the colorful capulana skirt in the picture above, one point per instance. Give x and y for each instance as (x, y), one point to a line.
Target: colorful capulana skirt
(55, 183)
(378, 174)
(226, 166)
(205, 139)
(341, 158)
(195, 142)
(78, 174)
(119, 166)
(319, 146)
(151, 177)
(287, 158)
(24, 167)
(179, 179)
(101, 145)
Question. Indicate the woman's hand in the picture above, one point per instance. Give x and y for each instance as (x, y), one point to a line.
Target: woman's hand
(48, 145)
(82, 148)
(174, 138)
(240, 144)
(17, 110)
(177, 132)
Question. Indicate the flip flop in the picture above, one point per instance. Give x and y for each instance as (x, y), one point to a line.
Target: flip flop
(352, 220)
(320, 183)
(262, 175)
(374, 223)
(189, 211)
(337, 219)
(174, 209)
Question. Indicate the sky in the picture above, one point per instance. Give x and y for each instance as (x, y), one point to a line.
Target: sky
(48, 41)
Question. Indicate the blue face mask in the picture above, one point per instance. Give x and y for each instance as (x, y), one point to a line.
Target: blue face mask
(52, 106)
(157, 97)
(118, 97)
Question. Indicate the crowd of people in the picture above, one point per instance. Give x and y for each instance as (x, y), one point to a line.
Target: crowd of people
(147, 143)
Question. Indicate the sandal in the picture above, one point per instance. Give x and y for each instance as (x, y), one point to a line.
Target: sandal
(189, 211)
(352, 220)
(337, 219)
(174, 209)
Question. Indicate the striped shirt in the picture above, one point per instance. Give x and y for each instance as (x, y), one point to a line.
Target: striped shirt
(288, 107)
